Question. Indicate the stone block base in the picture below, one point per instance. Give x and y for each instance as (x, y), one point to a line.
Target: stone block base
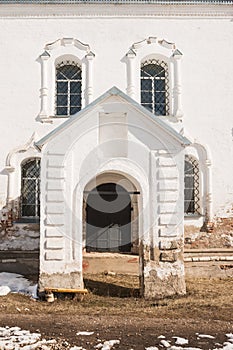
(61, 280)
(163, 280)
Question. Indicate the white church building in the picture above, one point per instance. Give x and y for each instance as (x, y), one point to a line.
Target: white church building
(117, 130)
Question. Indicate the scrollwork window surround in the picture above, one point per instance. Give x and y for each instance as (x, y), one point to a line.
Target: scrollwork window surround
(154, 49)
(201, 154)
(13, 168)
(64, 49)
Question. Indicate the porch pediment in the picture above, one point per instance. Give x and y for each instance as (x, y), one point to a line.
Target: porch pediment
(116, 103)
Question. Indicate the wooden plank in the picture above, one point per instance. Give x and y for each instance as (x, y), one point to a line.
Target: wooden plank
(66, 290)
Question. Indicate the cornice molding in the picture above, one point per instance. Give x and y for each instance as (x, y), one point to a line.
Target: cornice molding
(111, 10)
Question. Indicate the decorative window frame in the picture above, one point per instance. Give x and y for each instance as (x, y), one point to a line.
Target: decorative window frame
(197, 186)
(201, 154)
(56, 52)
(13, 169)
(154, 48)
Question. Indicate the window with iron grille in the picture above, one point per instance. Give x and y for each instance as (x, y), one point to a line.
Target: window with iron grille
(191, 186)
(154, 86)
(68, 88)
(30, 188)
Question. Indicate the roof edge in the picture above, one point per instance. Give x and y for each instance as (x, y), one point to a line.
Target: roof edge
(114, 91)
(117, 2)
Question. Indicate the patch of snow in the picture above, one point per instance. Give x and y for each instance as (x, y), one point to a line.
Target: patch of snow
(4, 290)
(151, 348)
(107, 345)
(161, 337)
(181, 341)
(165, 343)
(76, 348)
(84, 333)
(15, 338)
(17, 283)
(205, 336)
(229, 335)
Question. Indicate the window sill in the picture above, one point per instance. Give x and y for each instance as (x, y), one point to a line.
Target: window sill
(193, 216)
(60, 116)
(28, 221)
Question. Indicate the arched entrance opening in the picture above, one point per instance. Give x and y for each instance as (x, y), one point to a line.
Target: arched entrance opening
(108, 219)
(111, 224)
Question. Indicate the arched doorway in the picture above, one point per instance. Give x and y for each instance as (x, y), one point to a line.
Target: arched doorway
(108, 219)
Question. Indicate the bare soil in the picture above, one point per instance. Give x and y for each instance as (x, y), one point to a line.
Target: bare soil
(112, 310)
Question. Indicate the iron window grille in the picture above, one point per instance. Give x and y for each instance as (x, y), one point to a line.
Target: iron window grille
(68, 88)
(191, 186)
(30, 188)
(154, 86)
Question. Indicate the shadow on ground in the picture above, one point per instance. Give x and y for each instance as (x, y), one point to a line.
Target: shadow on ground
(110, 289)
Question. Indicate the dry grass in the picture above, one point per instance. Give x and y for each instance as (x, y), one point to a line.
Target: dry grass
(205, 299)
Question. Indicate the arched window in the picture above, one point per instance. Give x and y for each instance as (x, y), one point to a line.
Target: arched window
(68, 88)
(30, 188)
(154, 86)
(191, 186)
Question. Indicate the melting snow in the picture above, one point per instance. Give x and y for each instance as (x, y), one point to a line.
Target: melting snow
(4, 290)
(165, 343)
(15, 338)
(181, 341)
(227, 345)
(205, 336)
(17, 283)
(107, 345)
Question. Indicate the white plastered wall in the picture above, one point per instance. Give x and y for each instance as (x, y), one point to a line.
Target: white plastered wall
(75, 156)
(206, 75)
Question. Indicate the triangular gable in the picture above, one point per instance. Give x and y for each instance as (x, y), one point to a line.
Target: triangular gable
(114, 91)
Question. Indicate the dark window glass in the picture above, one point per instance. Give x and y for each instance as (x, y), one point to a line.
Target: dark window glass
(30, 188)
(191, 186)
(69, 88)
(154, 87)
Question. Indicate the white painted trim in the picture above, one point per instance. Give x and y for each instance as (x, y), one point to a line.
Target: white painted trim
(64, 49)
(13, 166)
(99, 10)
(162, 50)
(202, 154)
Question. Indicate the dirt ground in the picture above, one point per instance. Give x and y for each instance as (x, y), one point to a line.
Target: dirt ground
(110, 314)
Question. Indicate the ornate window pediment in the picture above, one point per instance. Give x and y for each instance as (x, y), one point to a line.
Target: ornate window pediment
(64, 97)
(153, 76)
